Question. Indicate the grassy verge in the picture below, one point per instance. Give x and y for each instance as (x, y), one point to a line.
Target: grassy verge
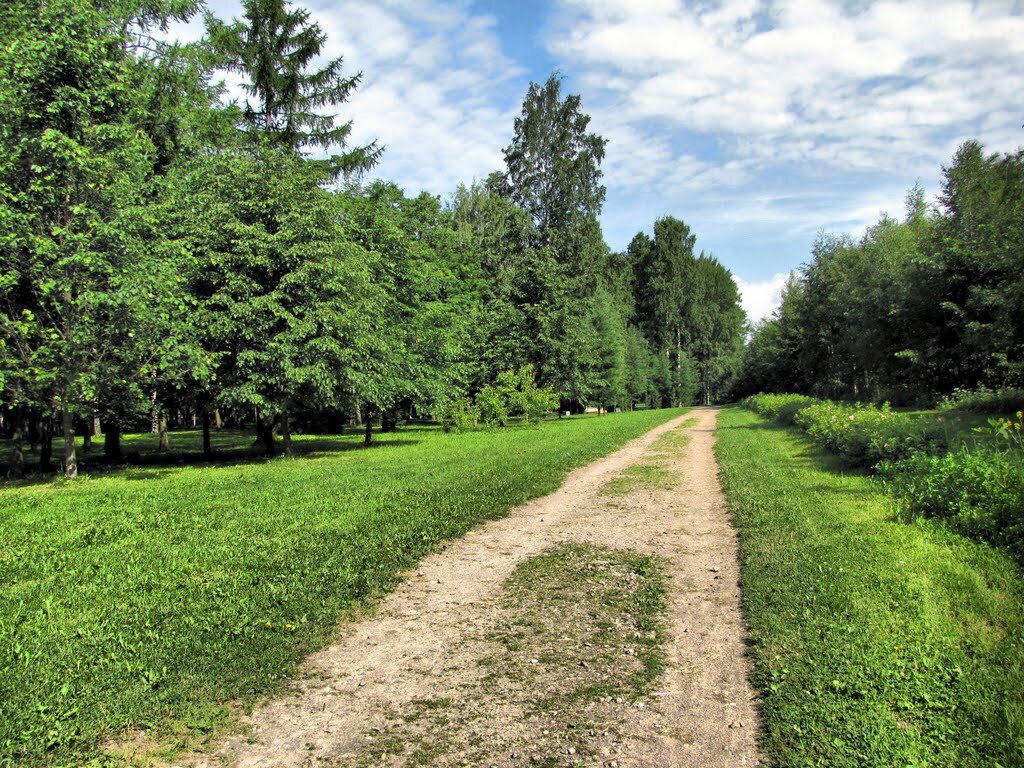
(875, 642)
(149, 598)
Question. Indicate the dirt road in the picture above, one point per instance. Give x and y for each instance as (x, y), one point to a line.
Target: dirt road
(395, 682)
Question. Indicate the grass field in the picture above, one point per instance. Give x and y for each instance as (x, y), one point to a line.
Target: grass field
(875, 642)
(151, 598)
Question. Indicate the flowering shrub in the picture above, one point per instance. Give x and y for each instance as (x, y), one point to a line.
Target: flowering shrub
(984, 400)
(864, 435)
(781, 408)
(980, 492)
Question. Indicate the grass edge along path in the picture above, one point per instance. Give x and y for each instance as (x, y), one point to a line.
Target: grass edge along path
(875, 642)
(149, 600)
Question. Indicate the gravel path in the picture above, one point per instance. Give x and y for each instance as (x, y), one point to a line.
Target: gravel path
(419, 644)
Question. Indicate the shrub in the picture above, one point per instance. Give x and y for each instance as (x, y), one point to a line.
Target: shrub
(984, 400)
(459, 415)
(865, 435)
(781, 408)
(980, 492)
(515, 393)
(493, 406)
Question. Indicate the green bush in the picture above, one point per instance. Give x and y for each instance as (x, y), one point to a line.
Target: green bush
(493, 406)
(864, 435)
(984, 400)
(980, 492)
(515, 393)
(780, 408)
(459, 415)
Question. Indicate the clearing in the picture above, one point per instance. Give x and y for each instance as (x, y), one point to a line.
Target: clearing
(598, 625)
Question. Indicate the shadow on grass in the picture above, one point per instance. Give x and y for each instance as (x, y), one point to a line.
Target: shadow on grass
(245, 451)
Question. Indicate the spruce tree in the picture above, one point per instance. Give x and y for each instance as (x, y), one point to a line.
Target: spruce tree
(273, 46)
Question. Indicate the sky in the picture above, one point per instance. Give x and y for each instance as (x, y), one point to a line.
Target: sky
(760, 123)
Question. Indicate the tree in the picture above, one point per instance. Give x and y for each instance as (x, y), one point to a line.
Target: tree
(73, 162)
(274, 46)
(285, 299)
(715, 327)
(553, 163)
(663, 286)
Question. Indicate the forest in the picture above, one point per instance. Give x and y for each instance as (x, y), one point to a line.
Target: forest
(169, 257)
(916, 310)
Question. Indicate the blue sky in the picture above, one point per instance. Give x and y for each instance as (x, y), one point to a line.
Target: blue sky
(758, 122)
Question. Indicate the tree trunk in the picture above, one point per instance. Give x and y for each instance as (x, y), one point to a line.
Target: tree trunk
(45, 445)
(70, 458)
(154, 413)
(162, 428)
(112, 439)
(268, 437)
(368, 435)
(358, 416)
(87, 436)
(217, 420)
(207, 446)
(18, 438)
(286, 431)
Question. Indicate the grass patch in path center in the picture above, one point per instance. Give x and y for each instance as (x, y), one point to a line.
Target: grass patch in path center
(575, 637)
(875, 642)
(653, 472)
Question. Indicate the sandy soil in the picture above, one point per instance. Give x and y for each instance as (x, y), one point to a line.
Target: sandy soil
(423, 643)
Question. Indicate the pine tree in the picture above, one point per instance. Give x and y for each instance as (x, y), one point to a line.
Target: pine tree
(273, 46)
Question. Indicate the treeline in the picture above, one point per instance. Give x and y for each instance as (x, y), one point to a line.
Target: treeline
(914, 310)
(164, 256)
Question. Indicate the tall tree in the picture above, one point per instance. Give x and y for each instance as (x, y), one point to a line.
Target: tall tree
(72, 163)
(553, 164)
(274, 46)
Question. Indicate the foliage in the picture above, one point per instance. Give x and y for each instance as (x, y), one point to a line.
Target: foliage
(553, 163)
(515, 393)
(916, 308)
(121, 608)
(780, 408)
(872, 641)
(459, 415)
(983, 400)
(978, 490)
(688, 309)
(273, 46)
(864, 435)
(978, 487)
(980, 493)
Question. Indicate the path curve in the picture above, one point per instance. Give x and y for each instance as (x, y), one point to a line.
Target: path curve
(703, 712)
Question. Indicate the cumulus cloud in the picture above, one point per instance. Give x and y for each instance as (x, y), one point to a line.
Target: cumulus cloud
(761, 298)
(794, 95)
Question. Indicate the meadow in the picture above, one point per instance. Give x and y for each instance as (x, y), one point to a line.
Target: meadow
(157, 600)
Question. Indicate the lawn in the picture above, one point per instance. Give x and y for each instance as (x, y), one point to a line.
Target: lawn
(875, 642)
(152, 598)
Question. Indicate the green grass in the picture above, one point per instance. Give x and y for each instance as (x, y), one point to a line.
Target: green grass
(875, 642)
(150, 598)
(647, 474)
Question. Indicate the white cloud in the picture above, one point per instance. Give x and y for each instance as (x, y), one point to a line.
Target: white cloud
(797, 96)
(761, 298)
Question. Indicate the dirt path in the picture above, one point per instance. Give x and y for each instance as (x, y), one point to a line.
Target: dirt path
(424, 643)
